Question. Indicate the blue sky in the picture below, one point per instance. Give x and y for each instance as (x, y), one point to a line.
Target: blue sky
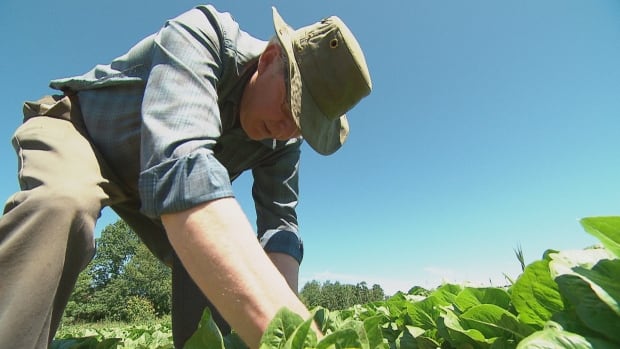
(492, 125)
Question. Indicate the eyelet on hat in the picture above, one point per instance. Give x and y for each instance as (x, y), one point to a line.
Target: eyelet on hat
(333, 43)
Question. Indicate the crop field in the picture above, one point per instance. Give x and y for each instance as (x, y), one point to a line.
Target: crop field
(110, 335)
(567, 299)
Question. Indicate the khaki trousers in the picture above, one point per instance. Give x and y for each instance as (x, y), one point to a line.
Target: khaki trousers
(46, 231)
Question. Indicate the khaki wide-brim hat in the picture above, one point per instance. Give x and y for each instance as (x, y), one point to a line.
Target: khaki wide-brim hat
(327, 77)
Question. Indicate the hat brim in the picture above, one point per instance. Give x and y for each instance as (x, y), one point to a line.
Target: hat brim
(324, 135)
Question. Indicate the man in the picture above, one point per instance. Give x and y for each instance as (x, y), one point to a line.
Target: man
(158, 135)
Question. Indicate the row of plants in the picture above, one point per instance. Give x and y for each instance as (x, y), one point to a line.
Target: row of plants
(567, 299)
(154, 334)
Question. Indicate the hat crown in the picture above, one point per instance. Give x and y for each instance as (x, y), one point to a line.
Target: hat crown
(327, 76)
(332, 66)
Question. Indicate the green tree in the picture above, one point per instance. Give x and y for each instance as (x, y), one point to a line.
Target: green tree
(81, 306)
(376, 293)
(116, 246)
(122, 272)
(310, 294)
(147, 278)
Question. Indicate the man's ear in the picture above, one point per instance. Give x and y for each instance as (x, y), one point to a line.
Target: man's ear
(269, 55)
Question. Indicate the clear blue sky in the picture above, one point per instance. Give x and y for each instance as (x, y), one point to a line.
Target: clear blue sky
(491, 125)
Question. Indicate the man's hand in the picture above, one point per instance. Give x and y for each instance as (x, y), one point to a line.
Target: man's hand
(219, 249)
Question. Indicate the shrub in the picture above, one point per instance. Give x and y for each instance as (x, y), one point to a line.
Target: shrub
(139, 309)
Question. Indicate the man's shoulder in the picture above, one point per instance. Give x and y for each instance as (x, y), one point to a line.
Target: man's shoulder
(226, 33)
(211, 11)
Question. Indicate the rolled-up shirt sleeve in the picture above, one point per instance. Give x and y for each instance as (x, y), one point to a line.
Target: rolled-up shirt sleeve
(181, 118)
(275, 192)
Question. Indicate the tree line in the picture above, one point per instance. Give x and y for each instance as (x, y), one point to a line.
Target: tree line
(125, 282)
(337, 296)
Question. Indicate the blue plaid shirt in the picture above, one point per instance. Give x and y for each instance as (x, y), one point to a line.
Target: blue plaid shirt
(165, 118)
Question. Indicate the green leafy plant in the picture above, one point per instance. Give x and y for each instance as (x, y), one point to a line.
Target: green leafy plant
(115, 336)
(567, 299)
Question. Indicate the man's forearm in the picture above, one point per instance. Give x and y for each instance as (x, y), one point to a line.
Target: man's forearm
(217, 246)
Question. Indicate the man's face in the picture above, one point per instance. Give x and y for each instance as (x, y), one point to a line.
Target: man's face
(264, 112)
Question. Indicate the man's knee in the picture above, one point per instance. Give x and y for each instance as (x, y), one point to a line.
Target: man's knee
(59, 213)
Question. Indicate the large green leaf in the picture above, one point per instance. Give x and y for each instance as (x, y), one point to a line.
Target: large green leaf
(603, 279)
(553, 336)
(207, 335)
(594, 266)
(451, 329)
(321, 318)
(606, 229)
(424, 313)
(593, 312)
(372, 329)
(280, 329)
(447, 293)
(495, 322)
(405, 340)
(535, 294)
(589, 281)
(562, 262)
(341, 339)
(415, 338)
(471, 296)
(303, 336)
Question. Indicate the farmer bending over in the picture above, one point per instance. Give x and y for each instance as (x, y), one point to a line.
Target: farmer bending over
(158, 135)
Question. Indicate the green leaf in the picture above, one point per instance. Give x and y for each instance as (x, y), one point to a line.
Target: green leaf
(470, 297)
(423, 342)
(595, 267)
(503, 343)
(563, 261)
(372, 327)
(341, 339)
(86, 343)
(405, 340)
(553, 336)
(447, 293)
(591, 310)
(109, 343)
(302, 337)
(606, 229)
(424, 313)
(280, 329)
(535, 295)
(207, 335)
(321, 318)
(451, 329)
(589, 281)
(494, 321)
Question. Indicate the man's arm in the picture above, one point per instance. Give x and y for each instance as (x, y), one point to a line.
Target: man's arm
(288, 267)
(217, 246)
